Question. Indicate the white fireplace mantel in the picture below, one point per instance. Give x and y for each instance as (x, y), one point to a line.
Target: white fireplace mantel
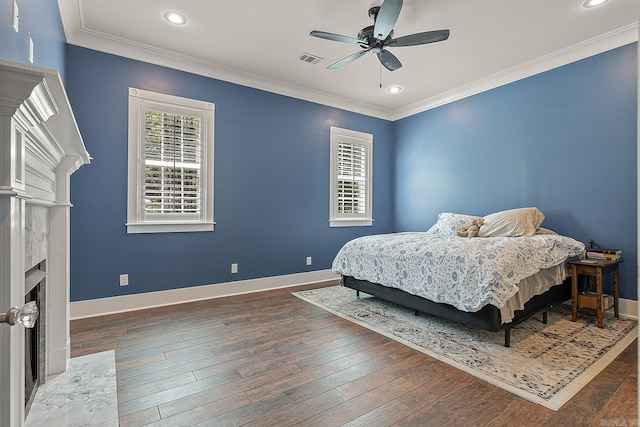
(40, 147)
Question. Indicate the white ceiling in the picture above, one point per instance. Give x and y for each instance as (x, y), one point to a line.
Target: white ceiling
(258, 43)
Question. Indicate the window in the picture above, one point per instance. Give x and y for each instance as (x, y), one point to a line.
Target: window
(351, 160)
(170, 164)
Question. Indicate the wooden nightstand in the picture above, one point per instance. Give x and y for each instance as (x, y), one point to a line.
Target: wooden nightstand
(594, 269)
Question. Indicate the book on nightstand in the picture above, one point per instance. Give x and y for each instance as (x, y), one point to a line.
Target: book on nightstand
(604, 254)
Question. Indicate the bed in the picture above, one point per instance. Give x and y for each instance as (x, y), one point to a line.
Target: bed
(513, 270)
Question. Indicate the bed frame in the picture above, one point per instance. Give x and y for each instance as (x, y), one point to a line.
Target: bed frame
(487, 318)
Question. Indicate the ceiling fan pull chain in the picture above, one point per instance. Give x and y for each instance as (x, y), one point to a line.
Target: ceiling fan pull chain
(380, 75)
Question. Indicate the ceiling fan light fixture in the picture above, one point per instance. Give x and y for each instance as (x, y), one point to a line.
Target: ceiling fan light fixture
(175, 18)
(593, 3)
(394, 89)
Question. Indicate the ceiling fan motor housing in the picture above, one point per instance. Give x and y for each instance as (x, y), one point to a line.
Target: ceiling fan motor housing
(367, 40)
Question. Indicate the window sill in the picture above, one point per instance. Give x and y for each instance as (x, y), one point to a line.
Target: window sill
(350, 223)
(169, 227)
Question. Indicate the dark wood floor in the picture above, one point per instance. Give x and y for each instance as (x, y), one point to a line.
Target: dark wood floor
(271, 359)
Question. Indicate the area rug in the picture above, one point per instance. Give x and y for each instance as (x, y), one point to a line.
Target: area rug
(546, 364)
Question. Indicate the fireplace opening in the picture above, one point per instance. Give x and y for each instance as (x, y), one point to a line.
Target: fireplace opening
(35, 287)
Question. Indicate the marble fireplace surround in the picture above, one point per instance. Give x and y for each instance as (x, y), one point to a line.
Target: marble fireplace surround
(40, 147)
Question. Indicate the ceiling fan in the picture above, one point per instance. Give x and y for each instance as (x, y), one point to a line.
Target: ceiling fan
(379, 36)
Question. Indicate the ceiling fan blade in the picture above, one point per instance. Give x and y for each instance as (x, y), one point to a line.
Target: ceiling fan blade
(389, 60)
(386, 19)
(350, 58)
(419, 38)
(334, 37)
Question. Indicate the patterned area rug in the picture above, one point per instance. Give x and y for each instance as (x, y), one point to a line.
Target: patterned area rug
(546, 364)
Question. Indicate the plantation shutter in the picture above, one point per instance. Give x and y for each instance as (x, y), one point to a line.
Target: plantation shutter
(352, 179)
(172, 165)
(350, 172)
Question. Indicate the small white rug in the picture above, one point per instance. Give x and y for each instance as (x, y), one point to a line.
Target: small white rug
(84, 395)
(546, 364)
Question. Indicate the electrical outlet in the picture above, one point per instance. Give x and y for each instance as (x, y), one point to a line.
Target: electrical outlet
(308, 260)
(16, 16)
(124, 280)
(234, 268)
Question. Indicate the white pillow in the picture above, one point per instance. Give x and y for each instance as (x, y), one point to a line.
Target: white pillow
(449, 223)
(512, 223)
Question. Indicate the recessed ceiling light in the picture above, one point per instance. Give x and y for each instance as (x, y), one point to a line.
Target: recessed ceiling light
(175, 18)
(394, 89)
(593, 3)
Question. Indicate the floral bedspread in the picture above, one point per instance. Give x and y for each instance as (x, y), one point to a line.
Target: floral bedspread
(467, 273)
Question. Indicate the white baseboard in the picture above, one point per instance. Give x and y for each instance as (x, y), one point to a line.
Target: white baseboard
(124, 303)
(628, 308)
(112, 305)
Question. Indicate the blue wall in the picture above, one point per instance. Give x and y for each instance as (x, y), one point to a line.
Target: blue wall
(563, 140)
(271, 197)
(41, 20)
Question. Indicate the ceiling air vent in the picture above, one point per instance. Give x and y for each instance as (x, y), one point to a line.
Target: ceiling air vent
(311, 59)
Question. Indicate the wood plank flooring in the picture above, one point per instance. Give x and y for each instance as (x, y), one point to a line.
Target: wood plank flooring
(271, 359)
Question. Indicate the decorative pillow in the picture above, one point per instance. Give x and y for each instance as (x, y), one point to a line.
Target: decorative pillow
(512, 223)
(449, 223)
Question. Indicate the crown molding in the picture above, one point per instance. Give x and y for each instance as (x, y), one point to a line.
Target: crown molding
(181, 62)
(608, 41)
(77, 34)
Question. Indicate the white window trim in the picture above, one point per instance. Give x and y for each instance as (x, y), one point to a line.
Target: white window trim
(135, 220)
(366, 139)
